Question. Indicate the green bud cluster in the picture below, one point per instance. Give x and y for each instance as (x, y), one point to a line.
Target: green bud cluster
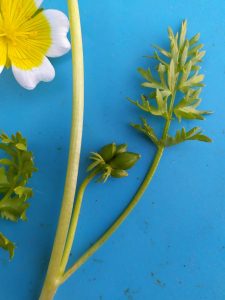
(113, 160)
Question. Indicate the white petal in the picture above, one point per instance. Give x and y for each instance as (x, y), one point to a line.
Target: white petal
(1, 69)
(30, 78)
(38, 3)
(59, 28)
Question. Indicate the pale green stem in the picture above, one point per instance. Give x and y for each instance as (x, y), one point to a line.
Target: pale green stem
(74, 221)
(51, 281)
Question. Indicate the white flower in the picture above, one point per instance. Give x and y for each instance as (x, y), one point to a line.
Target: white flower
(27, 36)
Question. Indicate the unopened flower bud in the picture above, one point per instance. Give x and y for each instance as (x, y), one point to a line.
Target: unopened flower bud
(125, 160)
(118, 173)
(120, 149)
(108, 151)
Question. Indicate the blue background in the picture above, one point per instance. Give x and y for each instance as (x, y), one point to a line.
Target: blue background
(172, 246)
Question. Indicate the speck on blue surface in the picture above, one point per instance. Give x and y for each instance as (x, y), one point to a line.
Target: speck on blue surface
(172, 246)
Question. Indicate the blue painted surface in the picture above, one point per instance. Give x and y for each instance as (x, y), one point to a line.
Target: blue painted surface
(172, 246)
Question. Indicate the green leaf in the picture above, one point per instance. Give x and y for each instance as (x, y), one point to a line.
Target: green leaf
(194, 40)
(19, 137)
(11, 173)
(190, 113)
(185, 74)
(4, 136)
(184, 55)
(6, 162)
(183, 33)
(94, 164)
(161, 71)
(171, 76)
(164, 52)
(146, 129)
(3, 178)
(14, 208)
(23, 191)
(162, 105)
(6, 141)
(174, 50)
(157, 58)
(186, 108)
(164, 93)
(21, 146)
(7, 245)
(13, 181)
(195, 68)
(194, 50)
(148, 76)
(9, 149)
(184, 136)
(170, 31)
(194, 79)
(201, 137)
(197, 57)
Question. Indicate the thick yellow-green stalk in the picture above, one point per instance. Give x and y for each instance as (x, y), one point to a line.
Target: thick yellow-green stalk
(52, 279)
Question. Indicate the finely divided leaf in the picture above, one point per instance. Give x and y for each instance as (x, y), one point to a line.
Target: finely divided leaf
(164, 52)
(184, 136)
(146, 129)
(20, 167)
(193, 51)
(158, 58)
(161, 110)
(186, 108)
(148, 76)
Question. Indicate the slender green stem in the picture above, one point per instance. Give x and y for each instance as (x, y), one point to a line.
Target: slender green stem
(117, 223)
(73, 224)
(51, 281)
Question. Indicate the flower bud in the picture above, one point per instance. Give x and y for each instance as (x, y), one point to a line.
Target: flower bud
(108, 151)
(125, 160)
(118, 173)
(120, 149)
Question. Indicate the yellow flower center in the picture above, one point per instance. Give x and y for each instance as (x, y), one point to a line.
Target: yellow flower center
(24, 35)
